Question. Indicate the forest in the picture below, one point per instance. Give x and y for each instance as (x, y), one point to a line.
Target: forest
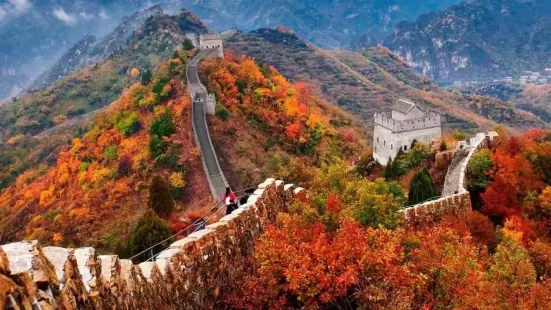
(345, 248)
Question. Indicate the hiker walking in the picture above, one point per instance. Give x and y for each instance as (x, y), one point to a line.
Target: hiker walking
(245, 197)
(230, 200)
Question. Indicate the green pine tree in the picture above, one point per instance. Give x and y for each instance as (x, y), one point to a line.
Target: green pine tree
(150, 231)
(389, 170)
(160, 198)
(146, 76)
(187, 44)
(421, 188)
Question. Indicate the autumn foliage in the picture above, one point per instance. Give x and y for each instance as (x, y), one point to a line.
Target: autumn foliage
(98, 189)
(301, 121)
(519, 177)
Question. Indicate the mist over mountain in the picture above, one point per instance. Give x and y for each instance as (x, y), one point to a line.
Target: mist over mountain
(34, 34)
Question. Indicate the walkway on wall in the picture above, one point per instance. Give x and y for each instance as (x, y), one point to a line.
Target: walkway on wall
(215, 175)
(452, 184)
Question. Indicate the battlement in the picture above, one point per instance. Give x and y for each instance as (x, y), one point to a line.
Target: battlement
(210, 36)
(430, 120)
(212, 41)
(189, 274)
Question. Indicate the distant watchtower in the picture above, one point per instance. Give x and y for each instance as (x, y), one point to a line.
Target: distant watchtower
(397, 130)
(212, 41)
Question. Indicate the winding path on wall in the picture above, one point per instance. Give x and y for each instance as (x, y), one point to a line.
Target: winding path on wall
(455, 199)
(452, 184)
(215, 175)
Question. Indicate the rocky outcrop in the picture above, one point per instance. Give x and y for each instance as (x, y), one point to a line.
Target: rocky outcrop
(477, 40)
(190, 274)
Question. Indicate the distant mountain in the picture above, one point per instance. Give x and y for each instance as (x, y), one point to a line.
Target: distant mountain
(369, 81)
(35, 34)
(91, 49)
(97, 85)
(327, 23)
(477, 40)
(363, 42)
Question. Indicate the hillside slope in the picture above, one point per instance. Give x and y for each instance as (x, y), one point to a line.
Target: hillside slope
(71, 101)
(532, 98)
(98, 188)
(91, 49)
(363, 82)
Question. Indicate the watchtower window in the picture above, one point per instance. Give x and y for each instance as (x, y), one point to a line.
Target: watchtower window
(405, 147)
(384, 143)
(391, 146)
(377, 139)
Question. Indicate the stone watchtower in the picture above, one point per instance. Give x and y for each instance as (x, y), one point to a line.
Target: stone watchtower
(212, 41)
(397, 129)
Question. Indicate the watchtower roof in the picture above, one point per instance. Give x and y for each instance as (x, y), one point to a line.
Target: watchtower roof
(404, 106)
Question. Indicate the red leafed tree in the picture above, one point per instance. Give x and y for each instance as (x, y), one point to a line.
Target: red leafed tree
(293, 131)
(333, 203)
(501, 199)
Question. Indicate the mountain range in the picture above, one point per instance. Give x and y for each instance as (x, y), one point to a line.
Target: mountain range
(477, 40)
(35, 34)
(368, 81)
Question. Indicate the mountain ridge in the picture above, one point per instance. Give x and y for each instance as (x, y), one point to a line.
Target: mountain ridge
(477, 40)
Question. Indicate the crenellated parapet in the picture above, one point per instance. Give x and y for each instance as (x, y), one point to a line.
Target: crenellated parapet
(189, 274)
(429, 120)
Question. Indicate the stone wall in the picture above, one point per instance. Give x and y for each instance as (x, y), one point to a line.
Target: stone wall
(432, 212)
(481, 140)
(190, 274)
(457, 204)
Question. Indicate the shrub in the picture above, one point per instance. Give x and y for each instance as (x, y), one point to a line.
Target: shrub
(177, 183)
(111, 153)
(221, 112)
(163, 126)
(83, 166)
(127, 123)
(146, 77)
(421, 188)
(443, 147)
(159, 86)
(187, 45)
(390, 172)
(156, 146)
(124, 166)
(160, 198)
(170, 159)
(150, 230)
(459, 135)
(479, 165)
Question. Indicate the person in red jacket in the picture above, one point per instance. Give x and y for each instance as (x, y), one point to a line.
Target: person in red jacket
(230, 200)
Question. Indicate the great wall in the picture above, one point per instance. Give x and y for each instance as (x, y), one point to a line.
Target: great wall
(192, 271)
(455, 199)
(189, 274)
